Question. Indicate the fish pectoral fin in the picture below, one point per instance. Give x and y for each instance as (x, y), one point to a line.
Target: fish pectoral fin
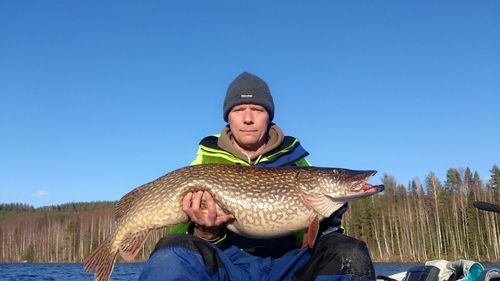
(133, 244)
(312, 231)
(322, 204)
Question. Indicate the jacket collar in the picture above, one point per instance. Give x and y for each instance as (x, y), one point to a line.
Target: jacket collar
(274, 139)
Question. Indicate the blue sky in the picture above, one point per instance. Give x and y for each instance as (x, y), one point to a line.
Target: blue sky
(99, 97)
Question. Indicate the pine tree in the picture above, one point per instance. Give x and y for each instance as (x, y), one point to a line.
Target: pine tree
(453, 180)
(494, 182)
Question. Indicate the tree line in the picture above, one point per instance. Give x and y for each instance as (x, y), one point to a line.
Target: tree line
(430, 220)
(416, 222)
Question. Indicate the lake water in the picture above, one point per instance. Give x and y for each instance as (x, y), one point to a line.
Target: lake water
(122, 271)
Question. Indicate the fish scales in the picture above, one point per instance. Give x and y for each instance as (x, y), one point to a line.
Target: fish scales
(266, 202)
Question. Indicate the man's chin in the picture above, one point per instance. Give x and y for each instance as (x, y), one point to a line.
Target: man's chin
(249, 145)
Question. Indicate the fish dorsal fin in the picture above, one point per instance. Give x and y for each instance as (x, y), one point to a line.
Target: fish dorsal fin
(122, 207)
(321, 203)
(132, 244)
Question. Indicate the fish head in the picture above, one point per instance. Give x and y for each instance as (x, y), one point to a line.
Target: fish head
(326, 189)
(341, 185)
(346, 185)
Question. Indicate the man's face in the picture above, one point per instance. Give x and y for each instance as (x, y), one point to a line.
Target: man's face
(248, 124)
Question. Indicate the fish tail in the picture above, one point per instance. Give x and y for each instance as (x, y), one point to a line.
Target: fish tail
(101, 261)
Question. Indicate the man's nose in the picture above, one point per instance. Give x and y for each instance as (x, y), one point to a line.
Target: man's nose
(248, 117)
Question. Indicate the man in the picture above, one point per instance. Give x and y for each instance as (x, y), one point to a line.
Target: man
(211, 252)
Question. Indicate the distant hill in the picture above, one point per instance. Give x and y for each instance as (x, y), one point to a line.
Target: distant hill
(16, 210)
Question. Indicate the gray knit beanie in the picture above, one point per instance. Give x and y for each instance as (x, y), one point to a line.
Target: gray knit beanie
(248, 88)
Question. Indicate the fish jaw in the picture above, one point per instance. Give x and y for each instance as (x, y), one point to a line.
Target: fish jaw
(365, 191)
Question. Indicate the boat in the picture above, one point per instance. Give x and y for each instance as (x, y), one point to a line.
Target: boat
(443, 270)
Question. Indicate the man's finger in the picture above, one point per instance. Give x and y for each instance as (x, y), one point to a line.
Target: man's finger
(223, 219)
(203, 204)
(212, 212)
(186, 201)
(195, 205)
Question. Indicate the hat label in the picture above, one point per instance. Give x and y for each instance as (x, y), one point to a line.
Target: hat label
(243, 96)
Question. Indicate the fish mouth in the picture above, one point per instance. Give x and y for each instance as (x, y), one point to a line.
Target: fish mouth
(369, 187)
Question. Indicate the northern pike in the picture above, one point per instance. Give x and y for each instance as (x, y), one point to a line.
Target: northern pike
(265, 202)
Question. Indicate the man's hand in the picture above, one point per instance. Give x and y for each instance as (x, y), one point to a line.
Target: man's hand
(200, 208)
